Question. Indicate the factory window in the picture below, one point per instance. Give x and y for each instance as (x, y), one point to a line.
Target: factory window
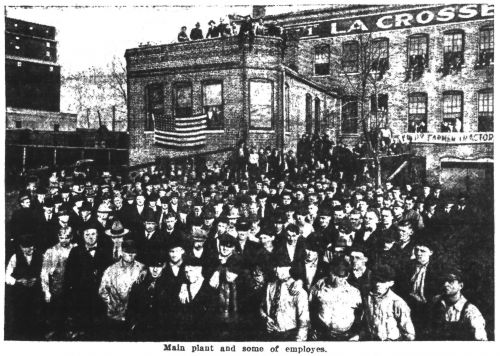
(47, 54)
(261, 104)
(378, 109)
(287, 107)
(154, 105)
(322, 60)
(51, 69)
(350, 56)
(56, 127)
(380, 56)
(486, 47)
(19, 64)
(213, 105)
(418, 55)
(183, 99)
(18, 124)
(485, 109)
(16, 47)
(453, 51)
(350, 114)
(452, 111)
(48, 44)
(417, 112)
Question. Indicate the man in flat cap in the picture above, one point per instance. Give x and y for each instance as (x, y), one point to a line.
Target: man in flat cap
(453, 316)
(115, 288)
(285, 313)
(386, 315)
(22, 219)
(419, 283)
(335, 305)
(23, 291)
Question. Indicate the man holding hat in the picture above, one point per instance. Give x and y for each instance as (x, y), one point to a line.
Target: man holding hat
(335, 305)
(386, 315)
(286, 314)
(23, 291)
(117, 233)
(453, 316)
(116, 284)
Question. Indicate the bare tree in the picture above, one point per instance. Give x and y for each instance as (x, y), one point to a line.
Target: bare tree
(362, 64)
(118, 71)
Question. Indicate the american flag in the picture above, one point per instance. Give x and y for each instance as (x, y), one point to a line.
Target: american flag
(186, 132)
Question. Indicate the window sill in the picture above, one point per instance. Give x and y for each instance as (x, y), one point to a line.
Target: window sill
(262, 130)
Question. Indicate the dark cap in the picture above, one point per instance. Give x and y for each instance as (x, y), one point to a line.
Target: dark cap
(312, 243)
(339, 266)
(26, 240)
(48, 202)
(383, 273)
(128, 246)
(452, 273)
(154, 258)
(227, 240)
(149, 216)
(427, 242)
(192, 261)
(234, 264)
(175, 242)
(242, 226)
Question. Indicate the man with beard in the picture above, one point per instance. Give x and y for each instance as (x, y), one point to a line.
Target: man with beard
(454, 317)
(151, 305)
(52, 276)
(369, 234)
(115, 288)
(84, 268)
(335, 305)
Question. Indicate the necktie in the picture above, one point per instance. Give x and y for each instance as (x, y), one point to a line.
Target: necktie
(116, 255)
(273, 312)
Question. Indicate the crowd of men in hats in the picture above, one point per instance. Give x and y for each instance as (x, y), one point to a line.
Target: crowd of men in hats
(262, 247)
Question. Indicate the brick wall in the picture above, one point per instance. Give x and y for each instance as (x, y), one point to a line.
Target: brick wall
(40, 120)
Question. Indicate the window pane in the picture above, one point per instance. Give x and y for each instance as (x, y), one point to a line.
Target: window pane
(183, 96)
(452, 112)
(380, 48)
(350, 114)
(453, 42)
(261, 109)
(418, 45)
(322, 60)
(155, 105)
(417, 119)
(212, 94)
(350, 56)
(486, 40)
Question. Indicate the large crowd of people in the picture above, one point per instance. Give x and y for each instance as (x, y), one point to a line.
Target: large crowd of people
(265, 246)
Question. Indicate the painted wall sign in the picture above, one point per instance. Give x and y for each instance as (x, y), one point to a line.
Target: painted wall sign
(448, 137)
(403, 19)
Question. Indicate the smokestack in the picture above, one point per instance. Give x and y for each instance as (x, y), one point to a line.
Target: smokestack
(258, 11)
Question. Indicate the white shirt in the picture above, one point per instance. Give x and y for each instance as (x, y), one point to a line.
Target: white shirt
(10, 269)
(175, 269)
(291, 250)
(194, 288)
(311, 269)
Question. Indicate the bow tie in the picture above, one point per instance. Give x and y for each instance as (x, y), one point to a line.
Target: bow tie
(92, 249)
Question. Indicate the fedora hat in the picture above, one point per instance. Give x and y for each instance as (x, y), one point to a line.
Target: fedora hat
(117, 229)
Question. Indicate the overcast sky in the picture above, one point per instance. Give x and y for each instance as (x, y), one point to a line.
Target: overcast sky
(91, 36)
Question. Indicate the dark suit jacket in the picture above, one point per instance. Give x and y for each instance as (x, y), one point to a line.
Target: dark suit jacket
(300, 250)
(249, 254)
(432, 286)
(363, 283)
(195, 318)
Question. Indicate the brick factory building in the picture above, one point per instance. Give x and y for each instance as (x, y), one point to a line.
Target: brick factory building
(436, 65)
